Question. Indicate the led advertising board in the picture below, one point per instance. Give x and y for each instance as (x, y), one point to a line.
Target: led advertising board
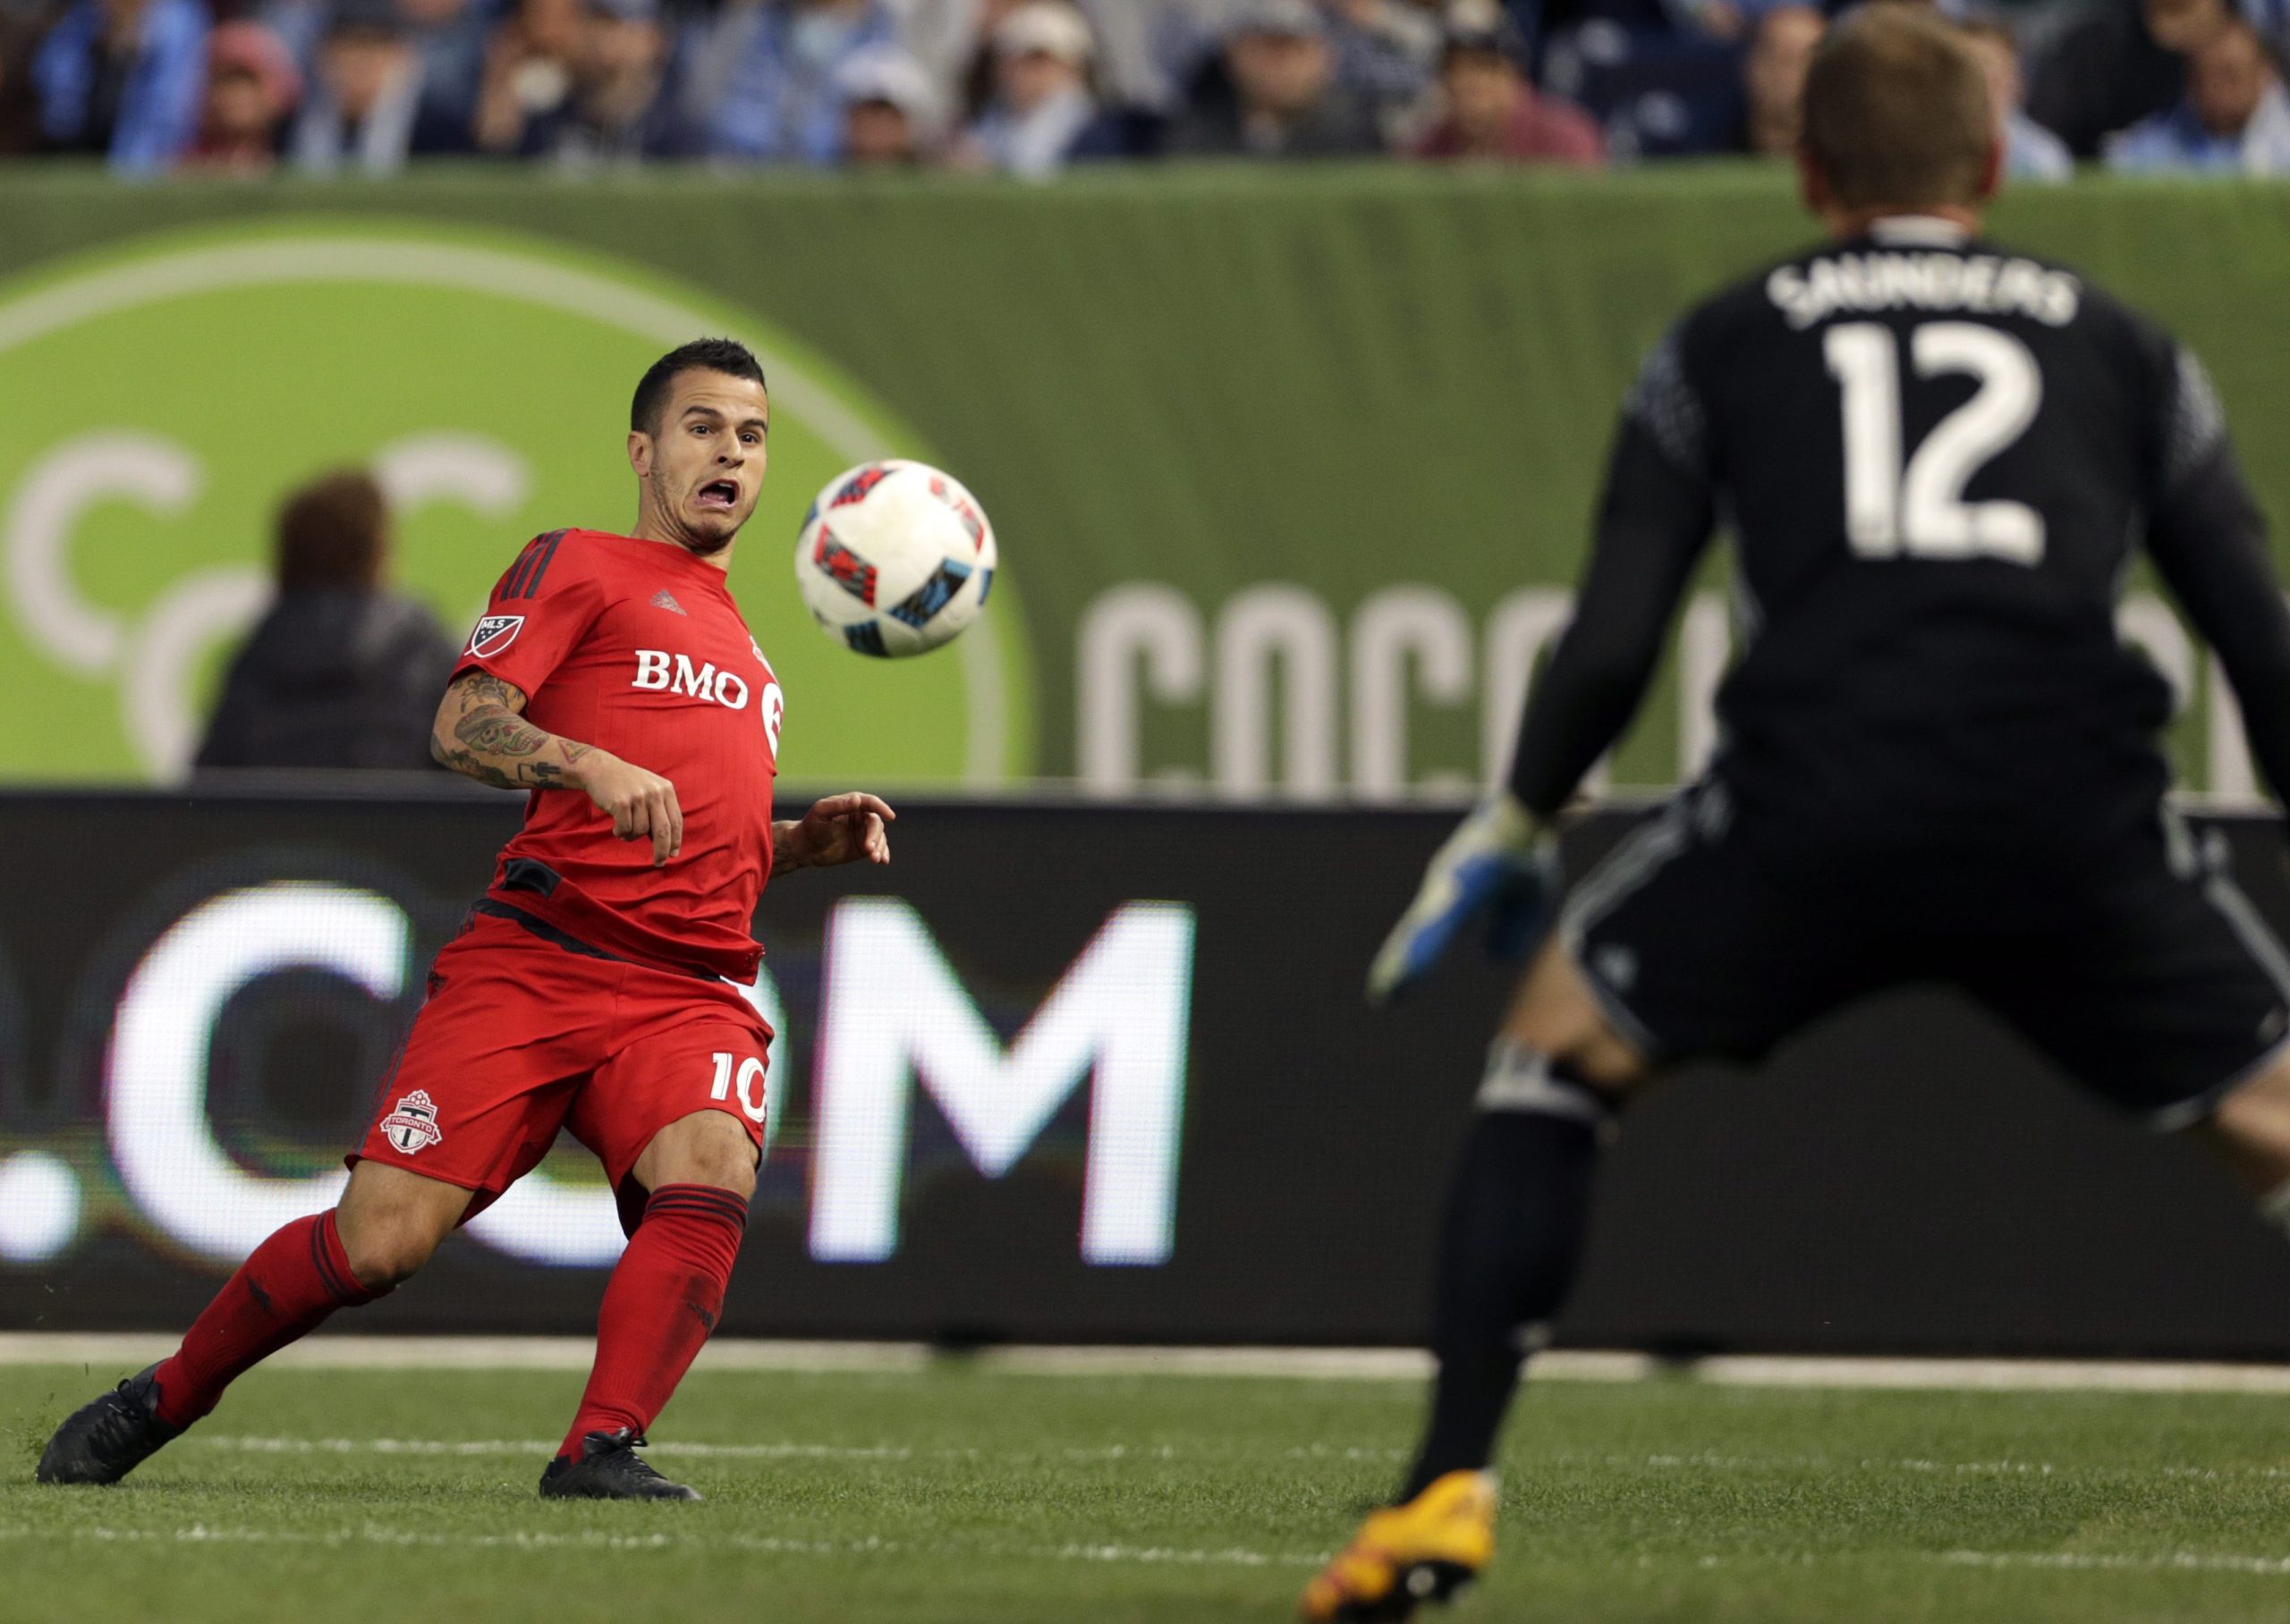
(1062, 1073)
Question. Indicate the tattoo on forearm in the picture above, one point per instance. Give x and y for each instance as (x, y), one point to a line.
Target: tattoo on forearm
(494, 745)
(469, 765)
(497, 732)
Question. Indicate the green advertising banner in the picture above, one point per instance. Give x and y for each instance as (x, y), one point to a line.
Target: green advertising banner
(1291, 471)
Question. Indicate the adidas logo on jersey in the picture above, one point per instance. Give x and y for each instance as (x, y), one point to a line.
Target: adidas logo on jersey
(665, 599)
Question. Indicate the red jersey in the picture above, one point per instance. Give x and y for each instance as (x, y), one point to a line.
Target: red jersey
(636, 647)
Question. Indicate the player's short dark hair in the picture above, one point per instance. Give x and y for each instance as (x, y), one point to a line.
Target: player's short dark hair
(333, 532)
(1896, 111)
(725, 355)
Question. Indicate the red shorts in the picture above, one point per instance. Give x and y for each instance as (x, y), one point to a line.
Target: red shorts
(521, 1037)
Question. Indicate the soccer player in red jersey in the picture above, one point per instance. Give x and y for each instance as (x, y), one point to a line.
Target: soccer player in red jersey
(592, 987)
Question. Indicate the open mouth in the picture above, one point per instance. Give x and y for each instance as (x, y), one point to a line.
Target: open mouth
(718, 495)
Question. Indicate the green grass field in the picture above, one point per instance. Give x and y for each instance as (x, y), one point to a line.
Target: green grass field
(965, 1494)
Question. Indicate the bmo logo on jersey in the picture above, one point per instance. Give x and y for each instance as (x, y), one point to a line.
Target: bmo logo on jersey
(662, 672)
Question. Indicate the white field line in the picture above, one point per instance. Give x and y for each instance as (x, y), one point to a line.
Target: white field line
(1326, 1364)
(2093, 1562)
(134, 1349)
(1707, 1461)
(476, 1448)
(482, 1447)
(1905, 1466)
(381, 1535)
(373, 1534)
(2012, 1375)
(324, 1352)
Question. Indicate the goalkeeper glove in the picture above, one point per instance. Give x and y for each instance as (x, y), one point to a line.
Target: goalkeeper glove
(1501, 859)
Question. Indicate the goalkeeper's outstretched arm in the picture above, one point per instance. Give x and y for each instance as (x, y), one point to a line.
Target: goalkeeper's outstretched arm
(1653, 522)
(2209, 544)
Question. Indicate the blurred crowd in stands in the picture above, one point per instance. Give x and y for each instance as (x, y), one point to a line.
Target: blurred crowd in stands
(1031, 88)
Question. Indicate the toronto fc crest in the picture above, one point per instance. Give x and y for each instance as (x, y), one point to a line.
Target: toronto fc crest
(413, 1125)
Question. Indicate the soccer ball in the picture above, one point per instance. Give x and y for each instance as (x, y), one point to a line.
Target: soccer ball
(895, 559)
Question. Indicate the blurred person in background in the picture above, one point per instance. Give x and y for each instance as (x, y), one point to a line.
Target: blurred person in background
(2235, 119)
(364, 112)
(252, 86)
(2030, 151)
(2271, 18)
(616, 108)
(1272, 92)
(531, 65)
(2117, 64)
(1043, 113)
(20, 30)
(300, 23)
(340, 672)
(943, 36)
(1773, 77)
(123, 79)
(1132, 103)
(1488, 110)
(1131, 77)
(450, 37)
(762, 82)
(1663, 77)
(1150, 50)
(890, 112)
(1388, 52)
(957, 39)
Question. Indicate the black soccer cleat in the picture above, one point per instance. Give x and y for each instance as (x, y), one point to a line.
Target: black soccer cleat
(103, 1441)
(609, 1469)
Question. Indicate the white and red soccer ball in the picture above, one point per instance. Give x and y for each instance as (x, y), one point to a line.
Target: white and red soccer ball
(895, 558)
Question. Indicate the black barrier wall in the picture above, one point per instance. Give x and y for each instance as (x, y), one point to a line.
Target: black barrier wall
(1071, 1072)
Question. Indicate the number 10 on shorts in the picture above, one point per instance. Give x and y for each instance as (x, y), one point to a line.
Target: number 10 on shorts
(748, 1081)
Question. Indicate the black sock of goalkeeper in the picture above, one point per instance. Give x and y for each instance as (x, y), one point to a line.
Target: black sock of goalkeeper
(1511, 1237)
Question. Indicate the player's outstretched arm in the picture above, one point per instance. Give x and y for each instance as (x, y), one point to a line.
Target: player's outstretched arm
(1503, 861)
(480, 732)
(2210, 547)
(840, 829)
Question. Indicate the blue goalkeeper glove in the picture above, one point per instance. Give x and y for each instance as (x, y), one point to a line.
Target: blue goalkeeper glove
(1500, 858)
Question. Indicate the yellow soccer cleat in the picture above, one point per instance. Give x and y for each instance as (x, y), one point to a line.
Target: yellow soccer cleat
(1425, 1551)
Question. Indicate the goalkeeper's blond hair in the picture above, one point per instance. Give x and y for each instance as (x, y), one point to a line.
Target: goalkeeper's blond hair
(1897, 112)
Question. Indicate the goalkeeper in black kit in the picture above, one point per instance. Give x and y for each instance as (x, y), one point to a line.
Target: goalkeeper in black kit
(1938, 457)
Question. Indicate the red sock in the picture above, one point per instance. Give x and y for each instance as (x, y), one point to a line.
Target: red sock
(279, 1294)
(662, 1303)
